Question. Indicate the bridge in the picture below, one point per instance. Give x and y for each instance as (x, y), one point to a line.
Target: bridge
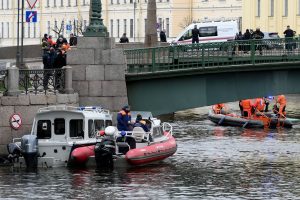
(173, 78)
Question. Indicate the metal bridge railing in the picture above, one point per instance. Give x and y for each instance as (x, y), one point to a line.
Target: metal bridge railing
(238, 52)
(42, 80)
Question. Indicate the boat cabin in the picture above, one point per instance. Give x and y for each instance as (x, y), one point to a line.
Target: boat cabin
(60, 123)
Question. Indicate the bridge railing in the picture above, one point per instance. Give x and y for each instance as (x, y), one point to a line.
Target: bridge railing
(238, 52)
(36, 81)
(41, 80)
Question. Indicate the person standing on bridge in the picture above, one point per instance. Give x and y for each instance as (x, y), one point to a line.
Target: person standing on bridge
(195, 35)
(124, 39)
(288, 34)
(48, 61)
(258, 35)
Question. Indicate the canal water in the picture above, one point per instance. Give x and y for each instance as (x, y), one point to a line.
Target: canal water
(211, 162)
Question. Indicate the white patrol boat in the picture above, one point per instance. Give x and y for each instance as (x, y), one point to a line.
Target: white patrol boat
(56, 132)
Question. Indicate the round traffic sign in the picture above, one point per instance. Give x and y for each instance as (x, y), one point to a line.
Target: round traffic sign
(15, 121)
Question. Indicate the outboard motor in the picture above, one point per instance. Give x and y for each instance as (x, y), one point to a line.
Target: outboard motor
(105, 149)
(29, 146)
(14, 152)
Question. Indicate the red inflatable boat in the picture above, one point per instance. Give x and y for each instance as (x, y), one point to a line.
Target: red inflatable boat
(153, 152)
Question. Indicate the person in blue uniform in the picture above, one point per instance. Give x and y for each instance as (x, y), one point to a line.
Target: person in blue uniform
(124, 119)
(139, 122)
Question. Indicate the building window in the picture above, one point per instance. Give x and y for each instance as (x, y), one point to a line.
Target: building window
(7, 4)
(125, 25)
(61, 3)
(69, 3)
(111, 1)
(54, 3)
(84, 24)
(131, 28)
(76, 3)
(112, 27)
(28, 30)
(271, 8)
(160, 23)
(145, 25)
(298, 7)
(48, 3)
(48, 27)
(55, 28)
(118, 1)
(7, 29)
(34, 30)
(285, 8)
(258, 9)
(118, 28)
(167, 26)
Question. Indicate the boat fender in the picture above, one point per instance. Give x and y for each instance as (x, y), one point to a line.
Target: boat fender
(221, 120)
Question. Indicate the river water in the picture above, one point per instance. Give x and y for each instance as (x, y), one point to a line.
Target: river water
(211, 162)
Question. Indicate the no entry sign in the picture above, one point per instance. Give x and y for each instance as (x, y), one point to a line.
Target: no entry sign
(31, 3)
(15, 121)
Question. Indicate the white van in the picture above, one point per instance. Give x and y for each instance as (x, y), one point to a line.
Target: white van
(209, 32)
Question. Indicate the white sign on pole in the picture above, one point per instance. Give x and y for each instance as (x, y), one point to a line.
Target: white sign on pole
(31, 3)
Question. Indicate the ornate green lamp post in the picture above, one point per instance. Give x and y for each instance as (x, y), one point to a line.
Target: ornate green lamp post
(96, 27)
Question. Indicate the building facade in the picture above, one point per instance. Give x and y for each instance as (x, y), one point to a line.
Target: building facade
(56, 17)
(271, 15)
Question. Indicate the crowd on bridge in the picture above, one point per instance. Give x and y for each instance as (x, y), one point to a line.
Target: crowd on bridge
(55, 55)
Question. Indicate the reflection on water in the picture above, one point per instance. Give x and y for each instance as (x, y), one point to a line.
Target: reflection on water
(212, 162)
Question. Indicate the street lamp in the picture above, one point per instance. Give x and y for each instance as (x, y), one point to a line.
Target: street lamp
(18, 38)
(19, 55)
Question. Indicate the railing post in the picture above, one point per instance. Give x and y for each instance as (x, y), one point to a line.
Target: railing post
(68, 80)
(153, 59)
(252, 51)
(13, 81)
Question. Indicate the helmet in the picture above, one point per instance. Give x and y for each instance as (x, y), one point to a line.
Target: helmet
(110, 130)
(123, 133)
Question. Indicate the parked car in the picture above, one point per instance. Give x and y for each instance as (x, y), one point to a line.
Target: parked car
(272, 40)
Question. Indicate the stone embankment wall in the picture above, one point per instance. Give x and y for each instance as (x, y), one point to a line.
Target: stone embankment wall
(26, 106)
(99, 73)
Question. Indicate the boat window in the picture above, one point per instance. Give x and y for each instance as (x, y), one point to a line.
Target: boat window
(76, 128)
(91, 128)
(157, 131)
(108, 123)
(187, 35)
(44, 129)
(59, 126)
(99, 125)
(208, 31)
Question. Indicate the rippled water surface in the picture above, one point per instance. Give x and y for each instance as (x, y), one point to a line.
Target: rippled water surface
(211, 162)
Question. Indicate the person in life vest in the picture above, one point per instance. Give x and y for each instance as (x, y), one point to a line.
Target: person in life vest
(281, 100)
(139, 122)
(247, 107)
(261, 104)
(124, 119)
(217, 108)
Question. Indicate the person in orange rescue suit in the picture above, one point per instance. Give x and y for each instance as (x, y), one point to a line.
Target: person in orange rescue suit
(281, 100)
(217, 108)
(247, 107)
(261, 104)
